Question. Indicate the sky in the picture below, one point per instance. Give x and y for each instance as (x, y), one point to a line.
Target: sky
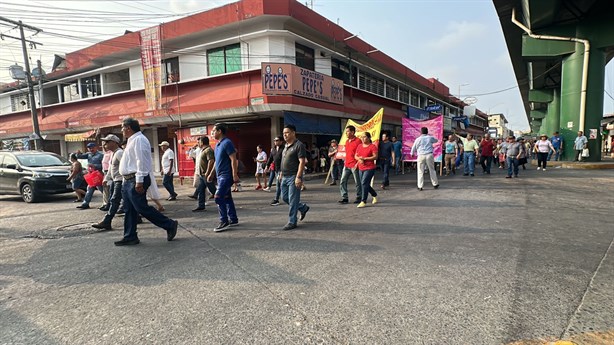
(459, 42)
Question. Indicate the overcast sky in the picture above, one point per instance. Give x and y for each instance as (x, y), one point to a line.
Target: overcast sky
(460, 42)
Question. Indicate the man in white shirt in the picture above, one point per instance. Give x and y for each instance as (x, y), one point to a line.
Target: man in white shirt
(114, 180)
(424, 147)
(579, 145)
(136, 168)
(168, 170)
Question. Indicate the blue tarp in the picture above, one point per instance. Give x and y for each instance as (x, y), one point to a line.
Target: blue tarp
(313, 124)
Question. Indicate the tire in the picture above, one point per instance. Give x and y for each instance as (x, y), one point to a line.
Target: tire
(27, 193)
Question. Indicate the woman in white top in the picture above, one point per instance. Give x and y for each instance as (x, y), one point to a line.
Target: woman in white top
(260, 160)
(543, 147)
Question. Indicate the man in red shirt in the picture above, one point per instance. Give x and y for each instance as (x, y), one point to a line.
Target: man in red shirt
(350, 166)
(487, 149)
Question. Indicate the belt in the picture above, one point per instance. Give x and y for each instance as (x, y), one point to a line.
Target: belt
(129, 176)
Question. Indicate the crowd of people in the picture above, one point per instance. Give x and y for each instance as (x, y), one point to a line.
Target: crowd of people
(124, 174)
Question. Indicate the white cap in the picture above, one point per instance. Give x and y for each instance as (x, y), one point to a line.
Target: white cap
(112, 137)
(164, 143)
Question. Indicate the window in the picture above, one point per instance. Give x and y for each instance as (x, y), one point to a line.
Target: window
(171, 70)
(404, 96)
(304, 57)
(224, 59)
(392, 91)
(340, 70)
(20, 102)
(90, 86)
(8, 160)
(371, 83)
(415, 99)
(117, 81)
(50, 95)
(69, 91)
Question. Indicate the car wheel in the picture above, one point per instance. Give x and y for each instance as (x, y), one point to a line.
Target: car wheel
(27, 193)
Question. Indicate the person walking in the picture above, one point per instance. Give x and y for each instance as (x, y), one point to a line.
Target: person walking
(366, 156)
(205, 163)
(349, 168)
(487, 148)
(557, 143)
(107, 185)
(111, 143)
(94, 160)
(451, 151)
(260, 161)
(168, 169)
(386, 159)
(76, 178)
(513, 153)
(336, 164)
(275, 168)
(579, 145)
(470, 148)
(136, 167)
(227, 171)
(423, 146)
(543, 147)
(293, 160)
(194, 153)
(397, 146)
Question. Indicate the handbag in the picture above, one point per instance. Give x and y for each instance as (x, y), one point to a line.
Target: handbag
(585, 152)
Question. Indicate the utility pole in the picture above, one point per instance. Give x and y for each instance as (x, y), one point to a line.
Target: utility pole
(38, 144)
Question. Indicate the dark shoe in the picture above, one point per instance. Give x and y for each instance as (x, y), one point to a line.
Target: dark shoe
(357, 201)
(170, 234)
(508, 177)
(125, 242)
(436, 186)
(172, 198)
(343, 201)
(198, 209)
(103, 206)
(233, 223)
(211, 197)
(104, 209)
(120, 212)
(275, 203)
(303, 214)
(465, 174)
(83, 207)
(102, 226)
(420, 189)
(192, 196)
(289, 226)
(223, 226)
(515, 176)
(472, 174)
(332, 184)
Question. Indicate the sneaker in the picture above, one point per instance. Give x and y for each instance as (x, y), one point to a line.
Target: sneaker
(126, 242)
(374, 200)
(343, 201)
(170, 234)
(361, 205)
(289, 226)
(357, 201)
(275, 203)
(544, 169)
(83, 207)
(233, 223)
(267, 189)
(303, 214)
(222, 227)
(539, 168)
(332, 183)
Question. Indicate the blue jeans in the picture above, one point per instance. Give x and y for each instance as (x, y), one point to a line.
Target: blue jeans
(223, 199)
(385, 165)
(167, 182)
(343, 184)
(337, 169)
(135, 204)
(397, 164)
(89, 194)
(272, 175)
(469, 162)
(485, 162)
(115, 199)
(365, 180)
(556, 155)
(512, 163)
(200, 191)
(292, 196)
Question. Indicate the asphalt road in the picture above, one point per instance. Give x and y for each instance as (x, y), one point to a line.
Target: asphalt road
(482, 260)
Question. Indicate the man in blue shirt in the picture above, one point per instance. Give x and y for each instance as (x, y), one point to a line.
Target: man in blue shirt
(424, 147)
(227, 171)
(94, 159)
(397, 146)
(557, 143)
(385, 158)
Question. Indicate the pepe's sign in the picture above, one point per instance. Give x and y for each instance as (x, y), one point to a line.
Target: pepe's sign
(288, 79)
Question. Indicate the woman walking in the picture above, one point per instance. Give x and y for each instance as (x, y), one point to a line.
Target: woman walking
(366, 154)
(260, 160)
(76, 178)
(543, 147)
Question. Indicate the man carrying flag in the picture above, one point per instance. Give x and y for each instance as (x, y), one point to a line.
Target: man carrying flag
(350, 166)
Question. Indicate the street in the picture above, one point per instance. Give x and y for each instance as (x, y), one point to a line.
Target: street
(481, 260)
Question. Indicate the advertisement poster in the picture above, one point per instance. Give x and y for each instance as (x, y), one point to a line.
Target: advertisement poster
(411, 131)
(288, 79)
(151, 60)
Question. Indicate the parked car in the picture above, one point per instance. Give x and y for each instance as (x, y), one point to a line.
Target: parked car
(33, 174)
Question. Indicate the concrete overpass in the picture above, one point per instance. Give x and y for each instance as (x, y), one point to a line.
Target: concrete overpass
(559, 50)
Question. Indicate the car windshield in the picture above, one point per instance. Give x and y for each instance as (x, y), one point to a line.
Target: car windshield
(38, 160)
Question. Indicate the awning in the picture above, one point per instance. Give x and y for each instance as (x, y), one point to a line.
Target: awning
(79, 136)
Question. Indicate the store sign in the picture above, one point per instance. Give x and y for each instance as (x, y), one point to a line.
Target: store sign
(288, 79)
(433, 107)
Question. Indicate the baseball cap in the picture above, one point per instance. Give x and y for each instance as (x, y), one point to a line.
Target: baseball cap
(90, 145)
(164, 143)
(111, 137)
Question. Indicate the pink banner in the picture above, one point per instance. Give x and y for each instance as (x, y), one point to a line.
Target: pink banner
(411, 131)
(151, 59)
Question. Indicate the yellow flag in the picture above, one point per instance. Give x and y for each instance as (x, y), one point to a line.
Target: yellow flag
(373, 126)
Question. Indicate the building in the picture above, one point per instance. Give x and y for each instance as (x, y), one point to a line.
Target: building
(227, 64)
(497, 126)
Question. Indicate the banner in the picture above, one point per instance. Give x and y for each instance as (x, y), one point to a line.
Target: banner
(373, 126)
(411, 131)
(151, 59)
